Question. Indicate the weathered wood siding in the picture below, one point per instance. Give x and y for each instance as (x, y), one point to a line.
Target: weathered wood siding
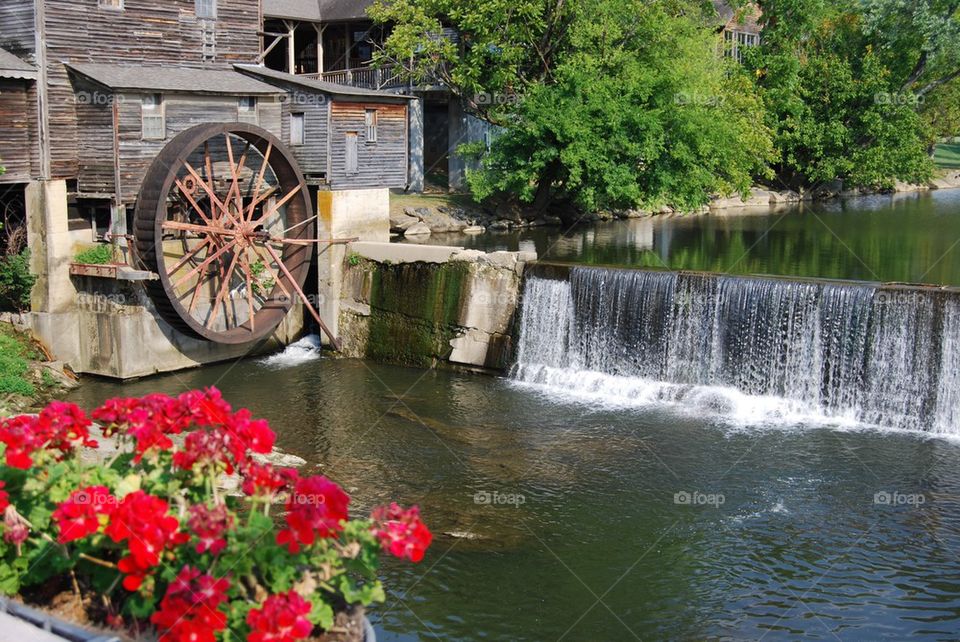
(315, 107)
(17, 145)
(145, 32)
(380, 164)
(182, 112)
(17, 27)
(95, 145)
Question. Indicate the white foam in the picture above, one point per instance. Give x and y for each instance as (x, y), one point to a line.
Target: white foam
(303, 351)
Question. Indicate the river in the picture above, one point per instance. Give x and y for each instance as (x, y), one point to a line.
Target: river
(565, 510)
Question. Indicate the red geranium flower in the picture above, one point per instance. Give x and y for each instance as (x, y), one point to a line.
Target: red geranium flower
(83, 513)
(316, 507)
(282, 618)
(144, 523)
(206, 407)
(401, 533)
(189, 611)
(264, 481)
(60, 426)
(209, 525)
(149, 421)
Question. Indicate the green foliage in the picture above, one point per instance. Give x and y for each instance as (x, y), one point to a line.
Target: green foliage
(15, 281)
(99, 254)
(354, 259)
(607, 103)
(15, 355)
(835, 98)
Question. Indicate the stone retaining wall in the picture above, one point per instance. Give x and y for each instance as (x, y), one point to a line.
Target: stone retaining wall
(421, 305)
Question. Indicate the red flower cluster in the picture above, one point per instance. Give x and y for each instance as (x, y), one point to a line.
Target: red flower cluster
(143, 522)
(4, 497)
(316, 507)
(264, 481)
(84, 512)
(282, 618)
(189, 611)
(401, 532)
(209, 525)
(60, 426)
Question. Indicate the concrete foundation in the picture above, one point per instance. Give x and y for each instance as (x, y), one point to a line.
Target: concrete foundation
(421, 305)
(104, 326)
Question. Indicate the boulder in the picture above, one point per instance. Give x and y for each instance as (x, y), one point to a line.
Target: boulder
(440, 222)
(500, 225)
(420, 229)
(474, 229)
(401, 222)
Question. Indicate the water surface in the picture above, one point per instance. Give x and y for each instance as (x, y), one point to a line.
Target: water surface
(790, 529)
(911, 238)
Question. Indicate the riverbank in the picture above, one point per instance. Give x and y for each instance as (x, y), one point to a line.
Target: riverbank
(417, 216)
(29, 376)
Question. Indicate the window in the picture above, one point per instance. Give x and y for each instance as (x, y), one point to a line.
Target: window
(296, 129)
(247, 110)
(154, 125)
(352, 164)
(371, 122)
(111, 4)
(206, 9)
(736, 41)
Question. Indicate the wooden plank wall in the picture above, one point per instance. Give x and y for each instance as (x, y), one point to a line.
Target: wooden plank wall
(381, 164)
(145, 32)
(17, 28)
(94, 110)
(315, 107)
(182, 112)
(17, 112)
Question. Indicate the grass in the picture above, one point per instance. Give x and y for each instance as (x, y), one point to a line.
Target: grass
(430, 201)
(16, 352)
(95, 255)
(947, 155)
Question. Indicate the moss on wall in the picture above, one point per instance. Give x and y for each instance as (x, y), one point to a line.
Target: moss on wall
(415, 310)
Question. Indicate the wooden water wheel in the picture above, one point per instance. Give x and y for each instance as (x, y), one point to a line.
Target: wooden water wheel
(224, 219)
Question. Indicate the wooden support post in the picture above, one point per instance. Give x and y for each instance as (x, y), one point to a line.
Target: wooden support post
(319, 29)
(291, 46)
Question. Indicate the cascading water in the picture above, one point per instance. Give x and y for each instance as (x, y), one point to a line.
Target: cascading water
(748, 347)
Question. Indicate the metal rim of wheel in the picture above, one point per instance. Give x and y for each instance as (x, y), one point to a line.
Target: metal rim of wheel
(224, 219)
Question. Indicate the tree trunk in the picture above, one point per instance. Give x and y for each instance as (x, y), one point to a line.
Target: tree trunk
(544, 195)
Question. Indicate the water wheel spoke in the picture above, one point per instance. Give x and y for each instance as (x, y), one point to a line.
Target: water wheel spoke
(303, 297)
(206, 262)
(214, 199)
(193, 202)
(188, 256)
(248, 276)
(224, 288)
(199, 229)
(283, 201)
(234, 191)
(259, 182)
(273, 275)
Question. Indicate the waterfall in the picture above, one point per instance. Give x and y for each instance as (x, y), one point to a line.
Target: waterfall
(752, 348)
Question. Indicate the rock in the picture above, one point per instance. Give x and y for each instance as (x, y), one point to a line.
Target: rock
(900, 186)
(401, 222)
(500, 225)
(420, 229)
(632, 213)
(784, 196)
(58, 371)
(552, 220)
(666, 209)
(410, 211)
(474, 229)
(537, 222)
(440, 222)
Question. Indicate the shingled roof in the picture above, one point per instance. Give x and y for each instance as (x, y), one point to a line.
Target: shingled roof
(172, 79)
(13, 67)
(321, 86)
(317, 10)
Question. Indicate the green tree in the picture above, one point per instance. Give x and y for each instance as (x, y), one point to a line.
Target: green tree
(840, 104)
(616, 103)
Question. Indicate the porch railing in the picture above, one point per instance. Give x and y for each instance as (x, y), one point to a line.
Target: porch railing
(386, 77)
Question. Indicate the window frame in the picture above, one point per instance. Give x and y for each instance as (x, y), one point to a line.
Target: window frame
(198, 4)
(248, 110)
(153, 112)
(354, 168)
(371, 122)
(109, 5)
(301, 118)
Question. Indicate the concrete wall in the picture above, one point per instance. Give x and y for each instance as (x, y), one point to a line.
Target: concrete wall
(104, 326)
(419, 305)
(362, 214)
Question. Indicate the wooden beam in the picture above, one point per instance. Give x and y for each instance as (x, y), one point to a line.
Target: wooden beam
(291, 46)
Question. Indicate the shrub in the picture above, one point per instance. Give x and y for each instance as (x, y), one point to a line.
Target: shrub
(153, 535)
(95, 255)
(14, 365)
(15, 281)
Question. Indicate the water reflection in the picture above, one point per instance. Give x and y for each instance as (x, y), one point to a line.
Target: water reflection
(901, 237)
